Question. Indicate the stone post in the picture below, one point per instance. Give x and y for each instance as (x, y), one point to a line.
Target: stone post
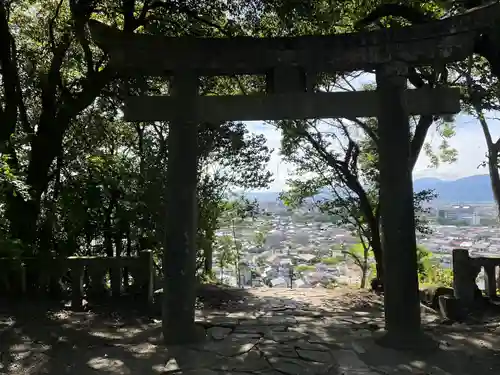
(116, 277)
(77, 268)
(490, 281)
(401, 296)
(179, 257)
(57, 266)
(97, 272)
(463, 283)
(498, 277)
(147, 275)
(22, 276)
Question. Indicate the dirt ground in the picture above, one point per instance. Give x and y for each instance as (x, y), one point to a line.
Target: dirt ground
(278, 327)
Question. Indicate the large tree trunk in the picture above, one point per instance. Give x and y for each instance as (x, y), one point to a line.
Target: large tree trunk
(9, 115)
(58, 111)
(126, 271)
(494, 176)
(208, 264)
(493, 149)
(9, 82)
(108, 228)
(493, 154)
(45, 147)
(377, 248)
(364, 272)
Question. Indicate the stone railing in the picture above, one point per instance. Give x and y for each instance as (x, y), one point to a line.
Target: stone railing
(37, 276)
(465, 271)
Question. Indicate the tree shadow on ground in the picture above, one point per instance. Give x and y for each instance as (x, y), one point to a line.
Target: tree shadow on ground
(291, 332)
(466, 348)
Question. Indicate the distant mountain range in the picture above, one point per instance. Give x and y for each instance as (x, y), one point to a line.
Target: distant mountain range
(472, 189)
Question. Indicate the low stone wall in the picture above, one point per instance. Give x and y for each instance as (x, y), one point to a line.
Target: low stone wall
(26, 276)
(465, 271)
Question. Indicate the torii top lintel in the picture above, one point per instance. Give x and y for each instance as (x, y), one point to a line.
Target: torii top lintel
(438, 41)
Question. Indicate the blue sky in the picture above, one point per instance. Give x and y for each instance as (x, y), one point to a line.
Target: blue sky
(469, 141)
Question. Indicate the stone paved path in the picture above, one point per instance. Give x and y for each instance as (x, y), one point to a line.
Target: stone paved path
(271, 332)
(290, 332)
(317, 331)
(276, 331)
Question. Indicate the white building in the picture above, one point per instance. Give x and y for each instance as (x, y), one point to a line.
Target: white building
(476, 219)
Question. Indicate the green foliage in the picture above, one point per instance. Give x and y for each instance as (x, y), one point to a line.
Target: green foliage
(443, 153)
(422, 209)
(226, 251)
(259, 239)
(234, 213)
(331, 261)
(207, 278)
(240, 209)
(424, 262)
(10, 182)
(76, 179)
(437, 275)
(360, 255)
(430, 272)
(341, 184)
(341, 162)
(304, 268)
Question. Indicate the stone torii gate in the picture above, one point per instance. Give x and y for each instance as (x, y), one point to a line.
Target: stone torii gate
(290, 66)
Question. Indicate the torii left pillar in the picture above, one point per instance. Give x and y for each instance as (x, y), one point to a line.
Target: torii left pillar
(179, 253)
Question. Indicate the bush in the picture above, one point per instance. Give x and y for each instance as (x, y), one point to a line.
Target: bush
(430, 271)
(424, 262)
(440, 276)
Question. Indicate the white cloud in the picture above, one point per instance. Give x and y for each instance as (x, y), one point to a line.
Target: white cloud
(468, 140)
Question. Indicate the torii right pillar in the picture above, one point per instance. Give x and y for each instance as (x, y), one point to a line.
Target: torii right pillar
(401, 295)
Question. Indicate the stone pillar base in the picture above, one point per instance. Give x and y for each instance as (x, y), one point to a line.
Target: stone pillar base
(420, 342)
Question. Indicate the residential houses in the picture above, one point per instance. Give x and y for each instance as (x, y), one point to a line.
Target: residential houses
(292, 253)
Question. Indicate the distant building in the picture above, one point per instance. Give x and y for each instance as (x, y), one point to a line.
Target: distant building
(463, 213)
(476, 219)
(308, 258)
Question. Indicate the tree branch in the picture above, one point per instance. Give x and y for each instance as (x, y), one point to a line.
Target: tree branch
(345, 175)
(356, 259)
(51, 25)
(418, 140)
(409, 13)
